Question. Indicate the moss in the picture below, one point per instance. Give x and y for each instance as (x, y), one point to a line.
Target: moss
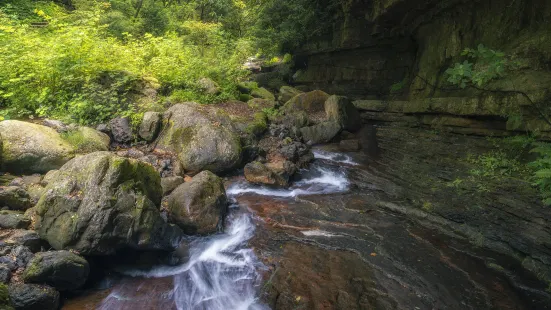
(245, 97)
(4, 297)
(83, 142)
(259, 124)
(263, 93)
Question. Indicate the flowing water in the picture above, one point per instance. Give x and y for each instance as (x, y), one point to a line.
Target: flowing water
(223, 272)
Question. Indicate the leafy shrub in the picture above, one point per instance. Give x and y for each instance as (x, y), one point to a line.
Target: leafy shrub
(542, 171)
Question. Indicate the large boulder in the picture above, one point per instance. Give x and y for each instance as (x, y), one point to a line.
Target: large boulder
(313, 101)
(33, 297)
(203, 140)
(341, 110)
(15, 198)
(321, 133)
(100, 203)
(150, 126)
(287, 93)
(32, 148)
(62, 270)
(86, 140)
(200, 205)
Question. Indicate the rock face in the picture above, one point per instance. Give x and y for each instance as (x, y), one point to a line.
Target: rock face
(202, 140)
(14, 198)
(100, 203)
(31, 148)
(33, 297)
(150, 126)
(121, 130)
(62, 270)
(341, 110)
(320, 133)
(200, 205)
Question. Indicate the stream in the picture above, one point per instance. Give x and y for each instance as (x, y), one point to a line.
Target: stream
(320, 241)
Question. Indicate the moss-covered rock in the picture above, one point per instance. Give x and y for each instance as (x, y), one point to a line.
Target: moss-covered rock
(15, 198)
(259, 125)
(5, 298)
(31, 148)
(287, 93)
(13, 220)
(320, 133)
(313, 101)
(203, 140)
(86, 140)
(263, 93)
(208, 86)
(100, 203)
(62, 270)
(341, 110)
(33, 297)
(200, 205)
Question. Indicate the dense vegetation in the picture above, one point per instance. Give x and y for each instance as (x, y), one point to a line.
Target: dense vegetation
(88, 60)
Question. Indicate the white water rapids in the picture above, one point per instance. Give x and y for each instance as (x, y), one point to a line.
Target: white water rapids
(222, 272)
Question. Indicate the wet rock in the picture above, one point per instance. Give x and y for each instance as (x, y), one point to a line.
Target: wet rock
(287, 93)
(263, 93)
(202, 140)
(171, 183)
(22, 256)
(200, 205)
(258, 173)
(150, 126)
(208, 86)
(341, 110)
(100, 203)
(297, 152)
(13, 220)
(62, 270)
(15, 198)
(32, 148)
(33, 297)
(349, 145)
(121, 130)
(320, 133)
(5, 273)
(27, 238)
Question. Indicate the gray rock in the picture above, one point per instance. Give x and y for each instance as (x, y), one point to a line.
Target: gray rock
(150, 126)
(320, 133)
(16, 198)
(100, 203)
(54, 124)
(32, 148)
(62, 270)
(258, 173)
(9, 262)
(14, 220)
(202, 140)
(22, 256)
(171, 183)
(27, 238)
(104, 128)
(208, 86)
(349, 145)
(33, 297)
(121, 130)
(200, 205)
(341, 110)
(5, 273)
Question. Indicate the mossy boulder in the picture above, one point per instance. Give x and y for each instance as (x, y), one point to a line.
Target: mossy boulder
(263, 93)
(341, 110)
(208, 86)
(13, 220)
(15, 198)
(62, 270)
(313, 101)
(199, 206)
(203, 140)
(86, 140)
(247, 87)
(5, 298)
(259, 124)
(100, 203)
(32, 148)
(321, 133)
(33, 297)
(287, 93)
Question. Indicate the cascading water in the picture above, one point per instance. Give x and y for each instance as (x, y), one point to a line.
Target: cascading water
(222, 272)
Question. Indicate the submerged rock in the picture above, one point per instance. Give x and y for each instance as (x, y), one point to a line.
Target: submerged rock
(62, 270)
(15, 198)
(200, 205)
(203, 140)
(33, 297)
(100, 203)
(32, 148)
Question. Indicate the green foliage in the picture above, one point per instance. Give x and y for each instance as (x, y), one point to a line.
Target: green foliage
(398, 87)
(542, 171)
(481, 66)
(495, 165)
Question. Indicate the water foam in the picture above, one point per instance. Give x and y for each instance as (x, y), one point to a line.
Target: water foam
(334, 157)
